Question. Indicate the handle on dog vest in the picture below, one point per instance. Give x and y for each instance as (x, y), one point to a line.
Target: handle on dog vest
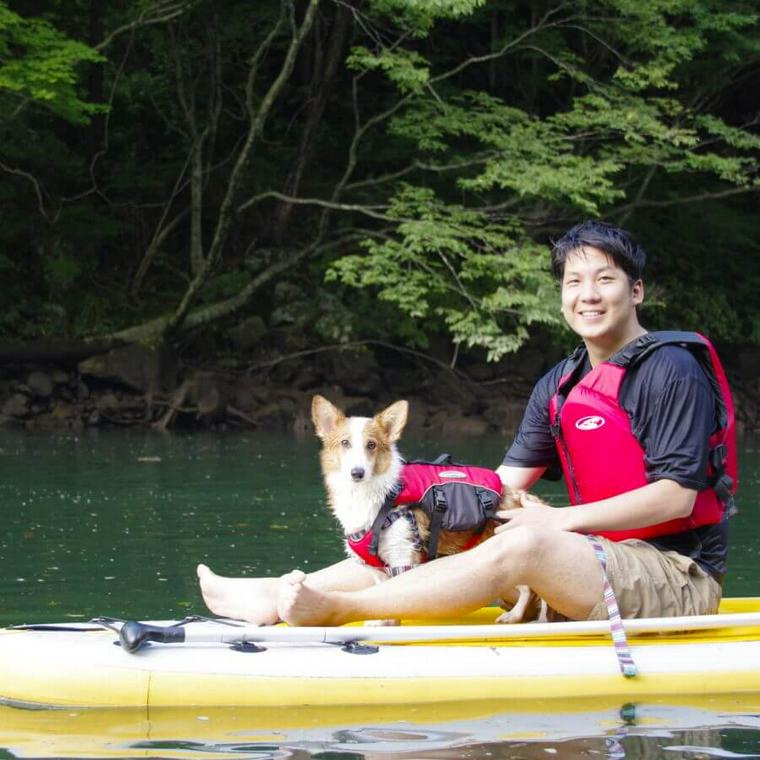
(440, 505)
(487, 502)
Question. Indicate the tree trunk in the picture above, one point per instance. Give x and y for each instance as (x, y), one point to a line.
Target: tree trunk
(258, 117)
(322, 79)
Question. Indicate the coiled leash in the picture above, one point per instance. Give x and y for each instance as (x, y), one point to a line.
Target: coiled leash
(619, 639)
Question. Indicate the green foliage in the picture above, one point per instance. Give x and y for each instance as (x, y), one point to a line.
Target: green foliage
(417, 17)
(407, 69)
(710, 311)
(484, 279)
(579, 157)
(452, 140)
(39, 63)
(705, 270)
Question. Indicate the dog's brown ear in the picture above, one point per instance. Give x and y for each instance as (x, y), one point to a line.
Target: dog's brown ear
(393, 419)
(325, 416)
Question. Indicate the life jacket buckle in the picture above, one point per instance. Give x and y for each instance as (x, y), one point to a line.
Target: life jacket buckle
(718, 456)
(487, 503)
(439, 500)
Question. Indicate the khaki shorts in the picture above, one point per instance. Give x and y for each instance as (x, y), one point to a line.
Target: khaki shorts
(652, 583)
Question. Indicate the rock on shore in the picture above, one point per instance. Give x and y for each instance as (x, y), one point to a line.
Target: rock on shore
(137, 386)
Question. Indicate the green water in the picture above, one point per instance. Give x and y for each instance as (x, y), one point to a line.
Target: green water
(113, 523)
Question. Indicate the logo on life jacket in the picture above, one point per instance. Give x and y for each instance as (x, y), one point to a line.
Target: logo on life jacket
(452, 474)
(592, 422)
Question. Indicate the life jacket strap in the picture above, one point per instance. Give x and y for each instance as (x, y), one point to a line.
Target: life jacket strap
(440, 459)
(488, 502)
(379, 521)
(721, 482)
(397, 570)
(568, 380)
(440, 505)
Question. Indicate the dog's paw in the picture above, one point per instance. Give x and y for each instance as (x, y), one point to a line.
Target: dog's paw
(510, 617)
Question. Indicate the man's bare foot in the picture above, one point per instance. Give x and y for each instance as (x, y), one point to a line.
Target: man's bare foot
(250, 599)
(300, 605)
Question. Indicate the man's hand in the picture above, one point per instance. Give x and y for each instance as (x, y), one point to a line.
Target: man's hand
(534, 511)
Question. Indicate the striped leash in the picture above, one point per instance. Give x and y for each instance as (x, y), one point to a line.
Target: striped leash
(619, 639)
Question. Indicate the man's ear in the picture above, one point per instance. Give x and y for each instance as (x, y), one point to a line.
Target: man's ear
(325, 416)
(393, 419)
(637, 291)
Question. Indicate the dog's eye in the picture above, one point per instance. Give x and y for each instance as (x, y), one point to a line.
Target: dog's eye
(371, 445)
(345, 443)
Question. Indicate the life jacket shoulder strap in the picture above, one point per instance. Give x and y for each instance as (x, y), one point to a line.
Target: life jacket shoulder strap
(644, 345)
(572, 365)
(568, 378)
(700, 348)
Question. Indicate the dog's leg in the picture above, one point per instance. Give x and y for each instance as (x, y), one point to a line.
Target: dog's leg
(528, 605)
(398, 553)
(526, 608)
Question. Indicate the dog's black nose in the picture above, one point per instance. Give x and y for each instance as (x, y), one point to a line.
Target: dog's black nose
(357, 473)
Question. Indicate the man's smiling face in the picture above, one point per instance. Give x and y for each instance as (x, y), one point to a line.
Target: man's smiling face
(599, 301)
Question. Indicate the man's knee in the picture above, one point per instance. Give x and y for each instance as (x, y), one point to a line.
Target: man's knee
(519, 546)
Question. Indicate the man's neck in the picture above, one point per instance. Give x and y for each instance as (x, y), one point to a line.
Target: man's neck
(599, 352)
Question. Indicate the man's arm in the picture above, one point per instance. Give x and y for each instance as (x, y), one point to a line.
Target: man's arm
(653, 503)
(519, 478)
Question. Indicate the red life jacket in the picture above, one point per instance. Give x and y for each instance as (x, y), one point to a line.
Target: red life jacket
(457, 497)
(601, 457)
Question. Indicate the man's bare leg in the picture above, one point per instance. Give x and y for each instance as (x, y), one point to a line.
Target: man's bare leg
(255, 599)
(560, 567)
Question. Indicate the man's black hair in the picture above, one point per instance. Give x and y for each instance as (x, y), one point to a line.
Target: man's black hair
(617, 243)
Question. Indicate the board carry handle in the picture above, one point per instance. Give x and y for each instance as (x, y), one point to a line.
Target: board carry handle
(134, 634)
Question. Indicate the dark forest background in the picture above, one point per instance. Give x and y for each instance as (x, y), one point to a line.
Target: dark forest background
(201, 201)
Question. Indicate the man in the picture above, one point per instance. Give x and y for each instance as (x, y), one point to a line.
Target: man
(662, 411)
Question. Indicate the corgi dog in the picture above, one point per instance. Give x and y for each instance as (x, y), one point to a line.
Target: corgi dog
(361, 465)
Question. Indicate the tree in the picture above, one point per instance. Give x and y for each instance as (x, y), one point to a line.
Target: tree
(417, 155)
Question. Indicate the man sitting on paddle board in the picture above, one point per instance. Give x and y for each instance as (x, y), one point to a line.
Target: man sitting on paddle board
(641, 425)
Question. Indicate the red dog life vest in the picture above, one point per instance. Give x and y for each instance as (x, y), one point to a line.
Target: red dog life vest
(457, 497)
(601, 457)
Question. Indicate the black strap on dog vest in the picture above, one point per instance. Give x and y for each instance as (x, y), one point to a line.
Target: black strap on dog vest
(377, 525)
(440, 505)
(487, 501)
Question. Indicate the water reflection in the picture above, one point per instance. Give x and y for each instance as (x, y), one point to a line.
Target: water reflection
(544, 730)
